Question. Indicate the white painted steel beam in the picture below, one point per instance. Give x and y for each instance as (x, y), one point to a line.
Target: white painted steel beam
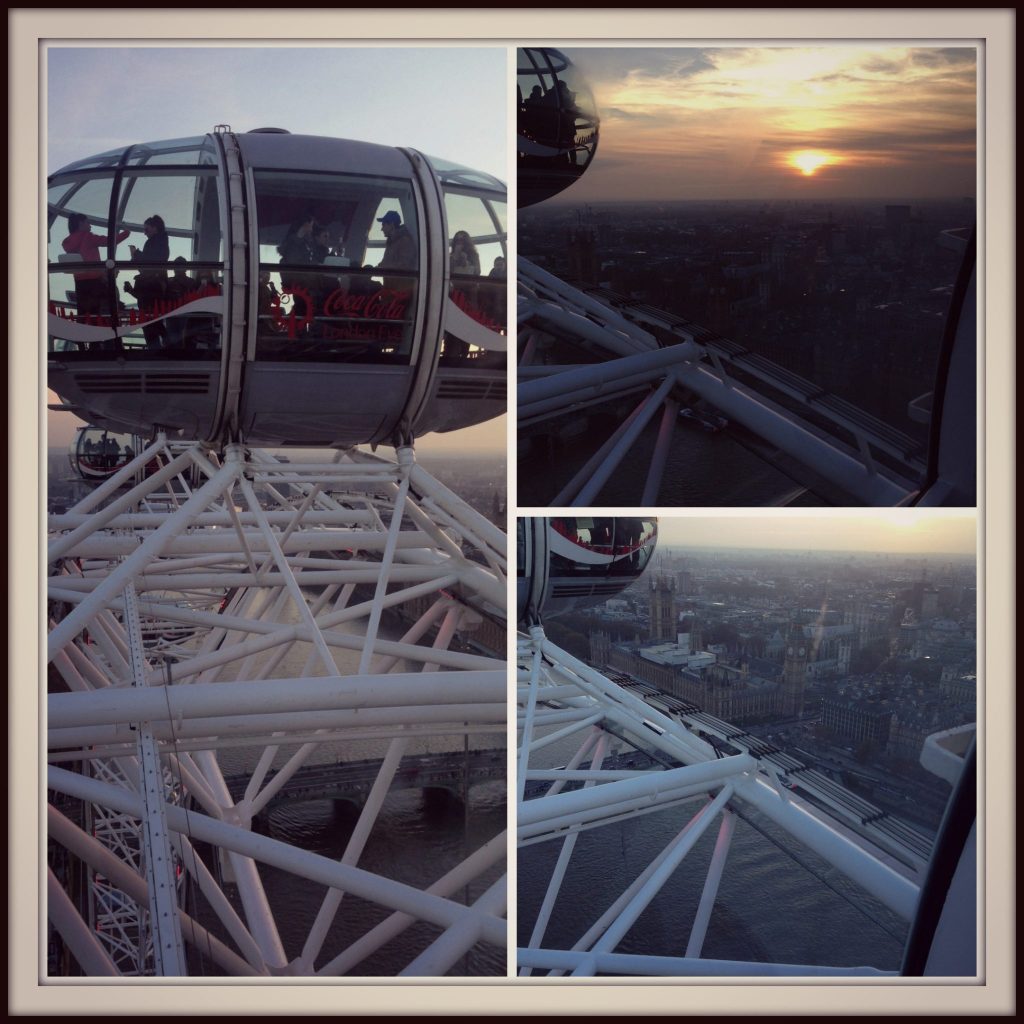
(69, 627)
(271, 696)
(81, 940)
(650, 405)
(645, 365)
(225, 542)
(168, 950)
(650, 784)
(99, 858)
(365, 884)
(560, 308)
(613, 794)
(458, 878)
(682, 967)
(251, 608)
(214, 731)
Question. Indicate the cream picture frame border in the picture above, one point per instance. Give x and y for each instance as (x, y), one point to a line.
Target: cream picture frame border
(993, 994)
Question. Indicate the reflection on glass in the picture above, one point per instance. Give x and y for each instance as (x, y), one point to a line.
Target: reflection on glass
(557, 124)
(99, 453)
(150, 282)
(339, 256)
(602, 546)
(170, 151)
(79, 309)
(180, 152)
(187, 204)
(477, 263)
(357, 316)
(183, 318)
(455, 175)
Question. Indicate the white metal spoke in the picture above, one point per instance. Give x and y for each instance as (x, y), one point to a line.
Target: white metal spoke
(286, 610)
(559, 695)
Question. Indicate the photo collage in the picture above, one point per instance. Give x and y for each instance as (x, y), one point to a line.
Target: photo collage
(692, 373)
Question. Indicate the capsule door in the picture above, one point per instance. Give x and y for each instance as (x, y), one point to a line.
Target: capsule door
(343, 241)
(532, 566)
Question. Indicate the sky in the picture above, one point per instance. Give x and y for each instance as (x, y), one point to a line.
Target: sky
(448, 101)
(911, 531)
(732, 122)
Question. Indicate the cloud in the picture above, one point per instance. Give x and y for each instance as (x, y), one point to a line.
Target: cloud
(877, 141)
(694, 63)
(606, 70)
(953, 56)
(617, 113)
(726, 117)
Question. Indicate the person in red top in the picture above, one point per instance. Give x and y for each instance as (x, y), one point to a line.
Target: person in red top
(90, 289)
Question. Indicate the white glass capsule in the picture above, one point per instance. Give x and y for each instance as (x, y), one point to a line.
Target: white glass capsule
(558, 124)
(276, 289)
(568, 562)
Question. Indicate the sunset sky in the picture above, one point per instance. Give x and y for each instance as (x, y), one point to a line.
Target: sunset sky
(912, 531)
(781, 122)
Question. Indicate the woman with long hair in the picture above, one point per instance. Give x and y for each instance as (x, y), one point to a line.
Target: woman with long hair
(465, 259)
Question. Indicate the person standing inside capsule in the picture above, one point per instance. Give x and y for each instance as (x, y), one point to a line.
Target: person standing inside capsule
(399, 249)
(298, 250)
(321, 245)
(298, 245)
(151, 285)
(90, 293)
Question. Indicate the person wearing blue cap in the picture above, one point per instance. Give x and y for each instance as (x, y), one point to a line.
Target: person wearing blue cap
(400, 248)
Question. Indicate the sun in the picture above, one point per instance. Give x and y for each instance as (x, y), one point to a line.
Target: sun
(809, 161)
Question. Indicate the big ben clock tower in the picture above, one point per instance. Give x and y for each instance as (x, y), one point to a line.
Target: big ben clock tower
(794, 673)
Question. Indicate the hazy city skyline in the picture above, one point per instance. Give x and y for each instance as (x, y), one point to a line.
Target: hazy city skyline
(792, 122)
(884, 531)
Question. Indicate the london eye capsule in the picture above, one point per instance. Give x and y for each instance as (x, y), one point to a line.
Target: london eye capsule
(95, 453)
(571, 562)
(276, 289)
(558, 124)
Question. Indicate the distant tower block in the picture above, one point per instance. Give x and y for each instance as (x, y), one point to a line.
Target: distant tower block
(794, 672)
(929, 603)
(689, 626)
(897, 219)
(584, 265)
(600, 648)
(663, 608)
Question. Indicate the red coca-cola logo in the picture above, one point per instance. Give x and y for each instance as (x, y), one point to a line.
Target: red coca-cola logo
(475, 312)
(154, 310)
(384, 304)
(289, 319)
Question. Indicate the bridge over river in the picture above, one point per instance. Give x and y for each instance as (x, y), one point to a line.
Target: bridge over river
(455, 771)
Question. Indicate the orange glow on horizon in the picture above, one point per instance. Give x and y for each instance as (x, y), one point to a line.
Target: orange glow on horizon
(809, 161)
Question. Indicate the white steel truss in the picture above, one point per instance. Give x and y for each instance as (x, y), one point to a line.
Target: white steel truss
(560, 699)
(183, 593)
(633, 367)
